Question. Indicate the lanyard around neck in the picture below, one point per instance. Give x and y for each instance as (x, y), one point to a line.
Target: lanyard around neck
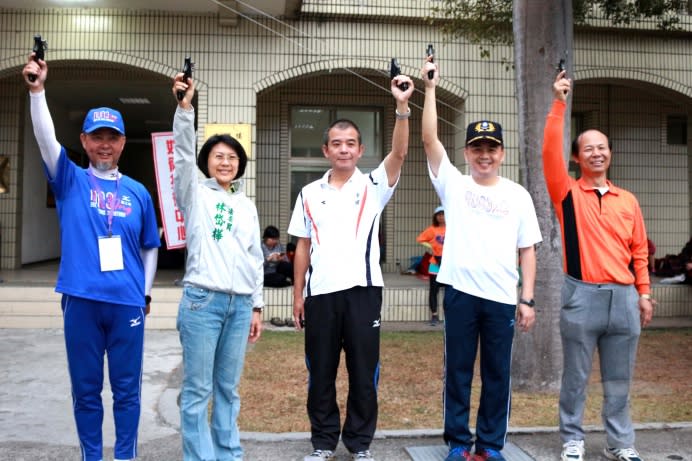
(110, 204)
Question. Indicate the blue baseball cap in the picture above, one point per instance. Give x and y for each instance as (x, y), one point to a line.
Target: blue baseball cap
(103, 117)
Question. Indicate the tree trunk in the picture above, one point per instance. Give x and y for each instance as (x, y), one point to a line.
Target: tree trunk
(542, 36)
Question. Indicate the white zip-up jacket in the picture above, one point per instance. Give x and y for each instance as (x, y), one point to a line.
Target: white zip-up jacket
(222, 229)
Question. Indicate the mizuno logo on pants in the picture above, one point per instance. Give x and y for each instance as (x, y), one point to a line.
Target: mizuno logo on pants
(136, 321)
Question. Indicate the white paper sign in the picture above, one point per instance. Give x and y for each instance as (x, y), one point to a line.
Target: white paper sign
(171, 216)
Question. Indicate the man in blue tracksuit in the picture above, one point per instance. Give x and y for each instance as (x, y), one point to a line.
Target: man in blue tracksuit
(109, 241)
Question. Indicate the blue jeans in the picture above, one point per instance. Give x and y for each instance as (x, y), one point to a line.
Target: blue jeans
(214, 330)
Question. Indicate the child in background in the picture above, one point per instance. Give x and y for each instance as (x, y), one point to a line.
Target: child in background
(433, 238)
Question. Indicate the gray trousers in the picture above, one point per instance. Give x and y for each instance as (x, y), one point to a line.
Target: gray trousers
(604, 316)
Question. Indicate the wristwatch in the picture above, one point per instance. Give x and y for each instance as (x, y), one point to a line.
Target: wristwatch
(529, 303)
(257, 309)
(147, 300)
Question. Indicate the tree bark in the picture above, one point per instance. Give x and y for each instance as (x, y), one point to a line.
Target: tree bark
(543, 34)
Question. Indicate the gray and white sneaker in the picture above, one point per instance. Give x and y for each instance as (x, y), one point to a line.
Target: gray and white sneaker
(622, 454)
(573, 451)
(362, 456)
(320, 455)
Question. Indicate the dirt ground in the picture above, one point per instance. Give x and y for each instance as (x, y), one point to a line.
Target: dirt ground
(273, 389)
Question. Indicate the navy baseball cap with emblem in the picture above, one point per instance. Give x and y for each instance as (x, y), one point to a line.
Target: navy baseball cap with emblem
(484, 130)
(103, 117)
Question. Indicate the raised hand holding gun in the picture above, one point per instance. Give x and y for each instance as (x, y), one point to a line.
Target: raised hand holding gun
(184, 86)
(187, 74)
(40, 46)
(395, 70)
(561, 86)
(430, 51)
(562, 70)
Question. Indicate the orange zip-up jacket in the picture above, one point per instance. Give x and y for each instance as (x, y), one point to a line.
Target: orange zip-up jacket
(603, 237)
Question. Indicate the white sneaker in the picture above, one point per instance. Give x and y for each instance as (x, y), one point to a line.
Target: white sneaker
(622, 454)
(573, 451)
(362, 456)
(320, 455)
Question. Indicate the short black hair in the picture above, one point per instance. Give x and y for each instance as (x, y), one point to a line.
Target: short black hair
(271, 232)
(231, 142)
(575, 141)
(342, 124)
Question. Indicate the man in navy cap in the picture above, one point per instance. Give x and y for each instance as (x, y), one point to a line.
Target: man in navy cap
(109, 241)
(489, 218)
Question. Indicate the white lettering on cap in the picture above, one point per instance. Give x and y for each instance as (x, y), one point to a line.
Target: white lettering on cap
(104, 115)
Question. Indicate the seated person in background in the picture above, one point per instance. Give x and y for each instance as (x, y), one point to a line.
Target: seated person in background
(686, 259)
(278, 270)
(676, 268)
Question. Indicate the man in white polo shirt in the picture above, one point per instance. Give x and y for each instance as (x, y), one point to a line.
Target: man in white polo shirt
(337, 294)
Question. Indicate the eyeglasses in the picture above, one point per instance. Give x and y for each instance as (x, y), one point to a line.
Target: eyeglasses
(219, 157)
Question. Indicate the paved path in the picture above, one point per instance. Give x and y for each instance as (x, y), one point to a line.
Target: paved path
(36, 422)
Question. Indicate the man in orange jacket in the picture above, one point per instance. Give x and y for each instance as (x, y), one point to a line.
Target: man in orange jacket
(604, 303)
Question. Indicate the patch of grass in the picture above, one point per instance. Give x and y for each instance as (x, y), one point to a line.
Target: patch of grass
(274, 384)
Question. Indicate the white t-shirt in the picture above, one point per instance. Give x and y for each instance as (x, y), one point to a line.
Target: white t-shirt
(485, 227)
(343, 226)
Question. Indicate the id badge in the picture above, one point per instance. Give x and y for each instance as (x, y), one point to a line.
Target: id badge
(111, 253)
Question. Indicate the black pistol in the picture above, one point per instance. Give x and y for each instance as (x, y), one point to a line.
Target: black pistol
(187, 74)
(39, 49)
(560, 68)
(395, 70)
(430, 52)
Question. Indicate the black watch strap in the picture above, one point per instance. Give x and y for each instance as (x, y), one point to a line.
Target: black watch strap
(147, 300)
(529, 303)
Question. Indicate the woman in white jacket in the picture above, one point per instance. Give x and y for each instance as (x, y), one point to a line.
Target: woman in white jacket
(221, 306)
